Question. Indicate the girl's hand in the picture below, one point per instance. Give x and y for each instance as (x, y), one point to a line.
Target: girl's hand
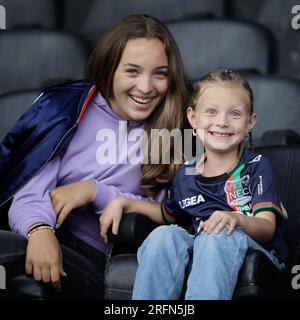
(219, 219)
(44, 258)
(66, 198)
(111, 215)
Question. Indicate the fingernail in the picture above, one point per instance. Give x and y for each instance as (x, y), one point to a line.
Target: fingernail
(64, 274)
(57, 226)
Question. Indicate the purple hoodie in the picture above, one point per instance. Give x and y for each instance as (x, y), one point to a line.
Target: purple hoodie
(86, 158)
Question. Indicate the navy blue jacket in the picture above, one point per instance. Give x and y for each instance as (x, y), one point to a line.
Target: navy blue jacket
(43, 132)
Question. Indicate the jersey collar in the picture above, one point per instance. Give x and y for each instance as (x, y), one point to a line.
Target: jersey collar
(236, 164)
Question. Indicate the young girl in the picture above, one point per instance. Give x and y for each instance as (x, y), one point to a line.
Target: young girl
(53, 157)
(231, 199)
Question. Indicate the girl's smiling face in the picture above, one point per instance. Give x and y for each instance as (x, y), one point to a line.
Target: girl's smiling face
(141, 79)
(222, 114)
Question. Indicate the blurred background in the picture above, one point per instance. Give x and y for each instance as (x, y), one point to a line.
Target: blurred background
(49, 41)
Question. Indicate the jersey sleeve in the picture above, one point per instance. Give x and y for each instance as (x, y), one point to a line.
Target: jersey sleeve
(265, 196)
(170, 209)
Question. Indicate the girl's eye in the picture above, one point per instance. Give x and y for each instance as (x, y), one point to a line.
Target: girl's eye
(211, 111)
(132, 71)
(235, 114)
(161, 74)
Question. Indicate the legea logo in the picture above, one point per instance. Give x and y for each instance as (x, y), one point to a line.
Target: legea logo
(2, 17)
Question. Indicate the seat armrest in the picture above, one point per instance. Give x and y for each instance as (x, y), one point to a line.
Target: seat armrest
(259, 278)
(118, 286)
(133, 230)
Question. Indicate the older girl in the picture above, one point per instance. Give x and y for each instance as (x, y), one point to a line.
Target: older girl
(137, 76)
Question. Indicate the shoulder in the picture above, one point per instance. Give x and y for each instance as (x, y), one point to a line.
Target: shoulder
(69, 88)
(256, 161)
(254, 158)
(63, 96)
(186, 170)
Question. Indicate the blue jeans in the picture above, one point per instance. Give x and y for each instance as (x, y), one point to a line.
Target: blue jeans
(217, 259)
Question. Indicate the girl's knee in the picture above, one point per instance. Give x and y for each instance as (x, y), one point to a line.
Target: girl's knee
(155, 243)
(165, 231)
(158, 232)
(155, 238)
(164, 236)
(223, 239)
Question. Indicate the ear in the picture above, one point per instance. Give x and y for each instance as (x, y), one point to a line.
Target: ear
(191, 115)
(252, 122)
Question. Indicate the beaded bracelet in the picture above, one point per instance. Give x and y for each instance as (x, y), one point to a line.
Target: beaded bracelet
(39, 227)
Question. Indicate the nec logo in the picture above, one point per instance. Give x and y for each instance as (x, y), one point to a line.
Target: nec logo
(2, 17)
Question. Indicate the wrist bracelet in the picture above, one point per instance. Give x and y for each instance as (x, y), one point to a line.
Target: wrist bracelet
(39, 227)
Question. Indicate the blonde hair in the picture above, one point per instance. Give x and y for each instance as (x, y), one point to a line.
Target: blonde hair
(225, 77)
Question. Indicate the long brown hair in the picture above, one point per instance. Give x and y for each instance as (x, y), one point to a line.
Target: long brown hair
(171, 112)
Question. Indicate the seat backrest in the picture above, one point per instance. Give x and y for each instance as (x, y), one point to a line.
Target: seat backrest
(285, 161)
(276, 102)
(30, 59)
(207, 45)
(102, 14)
(12, 106)
(277, 15)
(30, 13)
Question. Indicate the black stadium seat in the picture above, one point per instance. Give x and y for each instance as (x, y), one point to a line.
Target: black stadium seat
(33, 58)
(207, 45)
(88, 23)
(30, 13)
(278, 16)
(277, 104)
(12, 106)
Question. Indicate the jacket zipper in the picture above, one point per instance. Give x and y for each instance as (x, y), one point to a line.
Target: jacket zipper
(90, 94)
(43, 166)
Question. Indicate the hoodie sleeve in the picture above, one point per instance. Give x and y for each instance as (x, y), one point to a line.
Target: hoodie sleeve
(106, 193)
(32, 203)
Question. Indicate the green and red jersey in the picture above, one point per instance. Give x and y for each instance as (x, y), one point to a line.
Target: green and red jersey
(248, 187)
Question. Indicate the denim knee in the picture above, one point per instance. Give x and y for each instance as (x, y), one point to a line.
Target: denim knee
(154, 240)
(160, 236)
(223, 240)
(163, 239)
